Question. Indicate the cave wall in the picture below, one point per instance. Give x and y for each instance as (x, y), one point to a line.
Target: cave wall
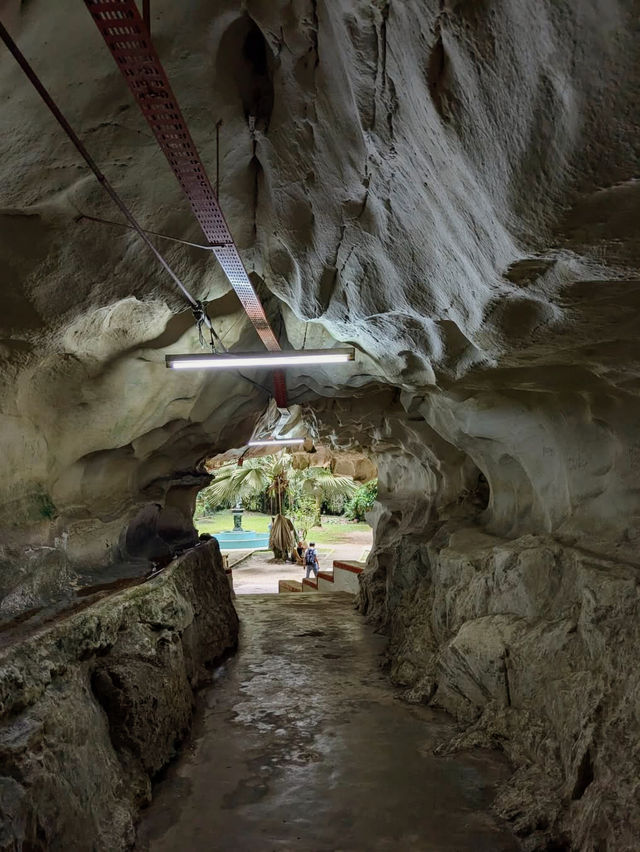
(531, 646)
(93, 706)
(450, 185)
(528, 640)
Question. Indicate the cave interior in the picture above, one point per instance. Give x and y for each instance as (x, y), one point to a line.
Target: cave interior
(452, 189)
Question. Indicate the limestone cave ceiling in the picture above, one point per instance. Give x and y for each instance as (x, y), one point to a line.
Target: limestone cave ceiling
(452, 187)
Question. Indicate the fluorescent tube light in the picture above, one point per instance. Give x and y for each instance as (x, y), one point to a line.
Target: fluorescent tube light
(302, 357)
(272, 441)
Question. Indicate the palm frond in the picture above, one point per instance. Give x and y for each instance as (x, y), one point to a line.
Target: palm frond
(321, 480)
(275, 474)
(232, 482)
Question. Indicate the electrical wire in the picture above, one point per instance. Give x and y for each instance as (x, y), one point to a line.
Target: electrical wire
(62, 121)
(82, 216)
(229, 330)
(257, 384)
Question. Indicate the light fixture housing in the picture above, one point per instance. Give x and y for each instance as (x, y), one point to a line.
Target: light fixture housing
(272, 442)
(303, 357)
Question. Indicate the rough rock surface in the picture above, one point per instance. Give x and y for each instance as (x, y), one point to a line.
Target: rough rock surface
(531, 646)
(527, 641)
(94, 706)
(450, 185)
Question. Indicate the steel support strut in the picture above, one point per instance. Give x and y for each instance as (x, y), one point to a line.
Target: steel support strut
(127, 38)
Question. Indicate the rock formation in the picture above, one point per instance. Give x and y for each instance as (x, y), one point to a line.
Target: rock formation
(449, 185)
(528, 640)
(94, 705)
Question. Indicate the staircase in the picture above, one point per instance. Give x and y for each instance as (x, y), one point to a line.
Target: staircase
(343, 578)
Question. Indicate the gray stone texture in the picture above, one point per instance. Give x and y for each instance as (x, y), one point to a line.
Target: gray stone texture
(531, 646)
(93, 707)
(451, 186)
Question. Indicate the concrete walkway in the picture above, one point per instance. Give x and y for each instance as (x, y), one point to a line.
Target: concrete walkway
(257, 573)
(302, 745)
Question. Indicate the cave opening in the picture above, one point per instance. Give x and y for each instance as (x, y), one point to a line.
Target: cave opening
(289, 519)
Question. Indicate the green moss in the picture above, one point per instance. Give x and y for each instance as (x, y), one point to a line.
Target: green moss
(45, 506)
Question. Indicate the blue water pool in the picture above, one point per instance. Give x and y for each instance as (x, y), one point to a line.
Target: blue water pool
(242, 540)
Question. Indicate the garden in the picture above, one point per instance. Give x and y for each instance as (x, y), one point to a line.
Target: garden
(322, 505)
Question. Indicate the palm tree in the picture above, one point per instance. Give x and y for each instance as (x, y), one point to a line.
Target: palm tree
(276, 475)
(322, 484)
(232, 483)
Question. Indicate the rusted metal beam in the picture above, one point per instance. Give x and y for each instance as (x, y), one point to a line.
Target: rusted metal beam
(80, 147)
(127, 37)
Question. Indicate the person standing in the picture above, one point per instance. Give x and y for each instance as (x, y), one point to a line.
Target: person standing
(299, 552)
(311, 560)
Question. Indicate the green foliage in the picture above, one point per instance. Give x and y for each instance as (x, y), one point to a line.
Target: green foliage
(304, 514)
(323, 484)
(362, 501)
(46, 509)
(335, 505)
(203, 509)
(234, 483)
(256, 503)
(271, 483)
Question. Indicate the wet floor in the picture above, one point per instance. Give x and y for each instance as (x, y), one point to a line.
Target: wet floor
(302, 744)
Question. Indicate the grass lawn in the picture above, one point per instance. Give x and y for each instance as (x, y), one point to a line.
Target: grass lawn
(332, 531)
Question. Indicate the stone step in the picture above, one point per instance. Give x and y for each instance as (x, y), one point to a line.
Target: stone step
(325, 581)
(349, 565)
(344, 578)
(345, 575)
(289, 586)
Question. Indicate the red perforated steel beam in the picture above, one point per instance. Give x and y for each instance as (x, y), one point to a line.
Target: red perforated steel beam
(279, 388)
(126, 36)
